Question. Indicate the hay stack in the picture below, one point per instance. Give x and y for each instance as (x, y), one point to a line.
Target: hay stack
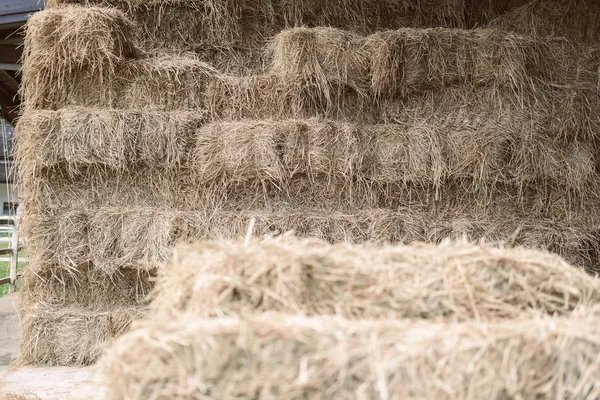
(356, 135)
(576, 20)
(294, 357)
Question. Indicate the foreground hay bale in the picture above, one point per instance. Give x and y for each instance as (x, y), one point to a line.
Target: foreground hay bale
(292, 357)
(451, 282)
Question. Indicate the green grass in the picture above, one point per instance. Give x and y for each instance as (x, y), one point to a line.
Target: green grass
(5, 266)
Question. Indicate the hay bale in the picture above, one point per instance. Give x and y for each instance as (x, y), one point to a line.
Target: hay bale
(459, 282)
(322, 58)
(71, 336)
(83, 286)
(292, 357)
(412, 60)
(573, 19)
(562, 114)
(108, 138)
(166, 83)
(270, 96)
(74, 43)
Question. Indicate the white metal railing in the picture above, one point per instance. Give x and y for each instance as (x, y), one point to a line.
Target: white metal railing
(12, 251)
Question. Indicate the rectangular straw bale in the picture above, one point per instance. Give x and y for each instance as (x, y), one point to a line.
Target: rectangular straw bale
(73, 43)
(71, 336)
(458, 282)
(411, 60)
(326, 58)
(204, 23)
(115, 139)
(271, 95)
(166, 82)
(561, 114)
(114, 238)
(45, 282)
(292, 357)
(576, 20)
(90, 37)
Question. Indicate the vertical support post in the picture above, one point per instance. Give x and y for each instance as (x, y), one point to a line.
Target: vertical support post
(14, 258)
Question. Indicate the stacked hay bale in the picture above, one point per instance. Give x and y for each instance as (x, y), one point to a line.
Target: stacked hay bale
(129, 144)
(343, 322)
(574, 19)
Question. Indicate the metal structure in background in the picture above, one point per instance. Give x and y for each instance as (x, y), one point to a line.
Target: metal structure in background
(9, 223)
(13, 16)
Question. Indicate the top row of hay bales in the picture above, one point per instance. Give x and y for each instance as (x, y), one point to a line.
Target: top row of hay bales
(81, 48)
(213, 26)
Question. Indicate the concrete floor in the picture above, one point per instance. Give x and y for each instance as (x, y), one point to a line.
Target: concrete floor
(56, 383)
(10, 332)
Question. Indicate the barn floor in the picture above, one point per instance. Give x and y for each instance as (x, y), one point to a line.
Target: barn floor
(39, 383)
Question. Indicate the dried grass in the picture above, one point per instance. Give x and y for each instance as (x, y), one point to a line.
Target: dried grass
(127, 146)
(13, 396)
(418, 152)
(291, 357)
(164, 83)
(56, 286)
(74, 43)
(108, 138)
(576, 20)
(453, 282)
(110, 239)
(224, 25)
(50, 193)
(481, 12)
(312, 69)
(493, 148)
(71, 336)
